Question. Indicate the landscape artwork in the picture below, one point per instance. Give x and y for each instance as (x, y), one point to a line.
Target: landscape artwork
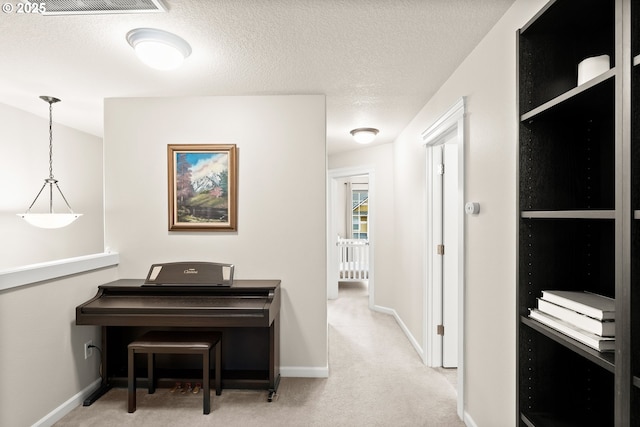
(202, 187)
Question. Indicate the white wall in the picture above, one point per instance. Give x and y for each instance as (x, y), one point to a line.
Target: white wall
(487, 78)
(77, 164)
(42, 362)
(41, 350)
(281, 218)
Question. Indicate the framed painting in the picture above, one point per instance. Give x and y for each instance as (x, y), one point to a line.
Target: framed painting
(203, 190)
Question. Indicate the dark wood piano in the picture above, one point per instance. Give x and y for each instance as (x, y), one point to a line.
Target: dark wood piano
(247, 312)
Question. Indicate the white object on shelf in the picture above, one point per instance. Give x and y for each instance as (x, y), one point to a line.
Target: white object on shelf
(592, 67)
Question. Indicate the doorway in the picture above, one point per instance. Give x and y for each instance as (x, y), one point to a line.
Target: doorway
(444, 278)
(337, 223)
(444, 275)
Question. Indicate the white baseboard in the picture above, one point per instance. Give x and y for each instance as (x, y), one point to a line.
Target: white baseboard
(468, 421)
(56, 415)
(466, 418)
(304, 372)
(412, 340)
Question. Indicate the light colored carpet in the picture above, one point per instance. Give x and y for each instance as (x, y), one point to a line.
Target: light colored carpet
(375, 379)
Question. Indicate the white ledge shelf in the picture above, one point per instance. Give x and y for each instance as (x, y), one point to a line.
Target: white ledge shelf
(33, 273)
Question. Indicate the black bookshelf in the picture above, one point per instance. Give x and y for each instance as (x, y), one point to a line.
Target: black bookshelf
(577, 192)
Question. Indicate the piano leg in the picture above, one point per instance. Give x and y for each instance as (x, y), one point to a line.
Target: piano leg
(104, 386)
(274, 358)
(96, 394)
(273, 391)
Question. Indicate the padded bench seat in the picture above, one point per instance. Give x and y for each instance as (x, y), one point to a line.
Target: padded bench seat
(176, 342)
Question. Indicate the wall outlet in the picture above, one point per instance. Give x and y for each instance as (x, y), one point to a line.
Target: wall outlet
(88, 351)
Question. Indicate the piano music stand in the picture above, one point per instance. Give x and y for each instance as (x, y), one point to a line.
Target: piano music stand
(193, 273)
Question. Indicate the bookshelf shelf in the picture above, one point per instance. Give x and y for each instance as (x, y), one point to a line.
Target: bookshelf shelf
(570, 95)
(579, 209)
(567, 419)
(567, 154)
(577, 214)
(605, 360)
(553, 43)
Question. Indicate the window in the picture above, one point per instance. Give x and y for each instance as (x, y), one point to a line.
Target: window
(360, 214)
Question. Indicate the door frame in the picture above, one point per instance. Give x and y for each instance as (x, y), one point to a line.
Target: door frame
(332, 250)
(451, 121)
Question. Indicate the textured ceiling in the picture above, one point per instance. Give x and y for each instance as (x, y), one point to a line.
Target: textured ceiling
(377, 61)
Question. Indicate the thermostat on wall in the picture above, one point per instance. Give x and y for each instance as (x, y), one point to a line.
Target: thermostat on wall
(472, 208)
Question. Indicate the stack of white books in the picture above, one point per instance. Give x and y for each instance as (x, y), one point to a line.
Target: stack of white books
(583, 316)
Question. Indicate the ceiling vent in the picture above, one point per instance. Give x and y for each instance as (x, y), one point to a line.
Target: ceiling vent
(99, 7)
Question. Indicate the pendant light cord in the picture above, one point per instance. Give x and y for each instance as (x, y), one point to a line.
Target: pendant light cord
(50, 140)
(50, 219)
(51, 180)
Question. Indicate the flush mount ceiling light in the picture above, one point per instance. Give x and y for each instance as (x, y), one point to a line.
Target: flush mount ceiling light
(364, 135)
(158, 49)
(50, 219)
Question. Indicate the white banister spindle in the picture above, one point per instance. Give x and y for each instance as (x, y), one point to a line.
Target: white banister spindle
(353, 262)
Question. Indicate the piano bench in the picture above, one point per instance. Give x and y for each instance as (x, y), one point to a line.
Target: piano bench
(176, 342)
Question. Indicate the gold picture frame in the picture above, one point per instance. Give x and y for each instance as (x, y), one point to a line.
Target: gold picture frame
(203, 187)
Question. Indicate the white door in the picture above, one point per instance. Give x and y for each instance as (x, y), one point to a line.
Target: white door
(445, 261)
(437, 261)
(450, 257)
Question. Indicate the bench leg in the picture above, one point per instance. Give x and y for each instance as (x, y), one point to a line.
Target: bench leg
(131, 382)
(205, 382)
(218, 377)
(150, 368)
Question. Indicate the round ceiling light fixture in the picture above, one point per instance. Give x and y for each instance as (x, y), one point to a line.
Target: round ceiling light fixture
(364, 135)
(158, 49)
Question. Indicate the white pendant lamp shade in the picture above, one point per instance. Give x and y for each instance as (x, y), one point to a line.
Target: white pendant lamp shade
(159, 49)
(364, 135)
(50, 219)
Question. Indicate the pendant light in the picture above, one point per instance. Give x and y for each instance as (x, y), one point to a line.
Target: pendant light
(50, 219)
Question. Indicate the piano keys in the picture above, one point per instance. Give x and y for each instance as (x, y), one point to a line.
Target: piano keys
(247, 313)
